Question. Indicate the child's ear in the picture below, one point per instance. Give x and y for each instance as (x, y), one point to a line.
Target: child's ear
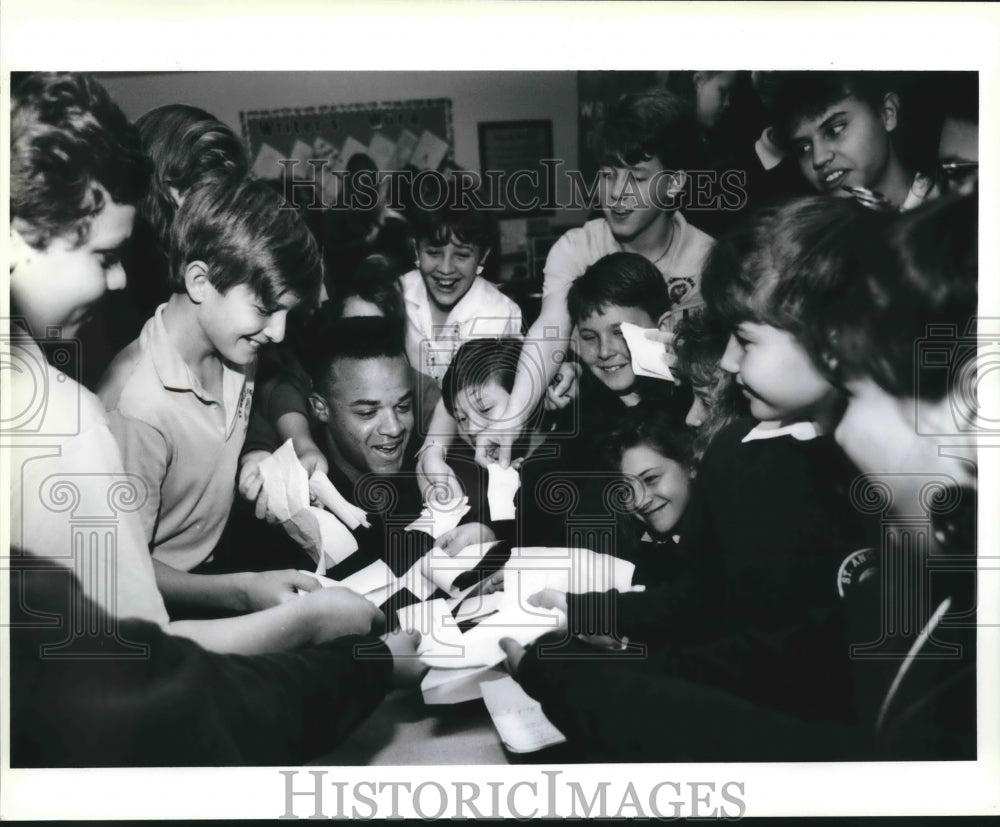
(890, 111)
(196, 281)
(319, 408)
(673, 184)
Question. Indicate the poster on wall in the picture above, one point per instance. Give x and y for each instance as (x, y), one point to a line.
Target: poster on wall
(395, 135)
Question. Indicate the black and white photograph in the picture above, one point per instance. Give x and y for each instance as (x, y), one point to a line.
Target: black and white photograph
(499, 410)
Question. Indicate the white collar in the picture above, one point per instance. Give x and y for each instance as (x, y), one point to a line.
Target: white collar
(802, 431)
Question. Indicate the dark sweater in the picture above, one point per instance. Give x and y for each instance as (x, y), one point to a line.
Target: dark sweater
(622, 708)
(153, 699)
(756, 609)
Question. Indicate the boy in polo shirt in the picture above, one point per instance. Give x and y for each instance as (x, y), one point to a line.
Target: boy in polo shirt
(178, 398)
(650, 139)
(77, 171)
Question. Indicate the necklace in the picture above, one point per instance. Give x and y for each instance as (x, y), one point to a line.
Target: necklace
(663, 253)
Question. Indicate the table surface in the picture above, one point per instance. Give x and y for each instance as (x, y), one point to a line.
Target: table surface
(404, 731)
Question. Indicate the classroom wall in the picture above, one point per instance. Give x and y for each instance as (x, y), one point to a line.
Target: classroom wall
(475, 96)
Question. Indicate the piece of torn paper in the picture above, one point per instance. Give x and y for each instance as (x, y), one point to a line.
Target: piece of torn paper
(649, 357)
(331, 499)
(500, 492)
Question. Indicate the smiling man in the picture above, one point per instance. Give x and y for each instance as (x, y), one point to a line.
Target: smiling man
(363, 397)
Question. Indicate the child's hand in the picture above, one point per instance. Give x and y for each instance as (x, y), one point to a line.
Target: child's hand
(335, 612)
(250, 484)
(435, 478)
(264, 589)
(250, 480)
(666, 338)
(549, 599)
(311, 460)
(515, 654)
(452, 542)
(407, 670)
(564, 388)
(493, 583)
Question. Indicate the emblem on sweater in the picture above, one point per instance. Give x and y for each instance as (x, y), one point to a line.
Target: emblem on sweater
(857, 567)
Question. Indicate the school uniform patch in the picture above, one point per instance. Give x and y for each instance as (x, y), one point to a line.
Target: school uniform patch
(857, 567)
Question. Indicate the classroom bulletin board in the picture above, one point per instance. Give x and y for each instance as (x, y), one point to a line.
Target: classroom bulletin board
(395, 134)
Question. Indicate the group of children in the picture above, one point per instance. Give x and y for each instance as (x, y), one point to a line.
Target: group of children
(785, 370)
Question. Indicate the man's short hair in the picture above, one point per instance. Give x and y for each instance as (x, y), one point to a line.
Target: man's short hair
(618, 279)
(357, 337)
(67, 139)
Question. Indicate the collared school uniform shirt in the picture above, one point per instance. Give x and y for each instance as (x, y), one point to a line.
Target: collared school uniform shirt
(71, 500)
(482, 312)
(181, 441)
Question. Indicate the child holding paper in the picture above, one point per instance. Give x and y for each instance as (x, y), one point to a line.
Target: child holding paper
(772, 522)
(77, 172)
(179, 397)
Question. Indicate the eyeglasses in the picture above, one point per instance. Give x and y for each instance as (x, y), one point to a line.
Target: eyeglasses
(957, 172)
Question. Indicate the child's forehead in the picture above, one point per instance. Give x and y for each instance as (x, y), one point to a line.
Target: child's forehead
(810, 120)
(443, 239)
(609, 315)
(648, 164)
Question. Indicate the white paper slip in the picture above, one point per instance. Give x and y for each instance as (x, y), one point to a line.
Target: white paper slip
(518, 717)
(502, 486)
(575, 570)
(442, 569)
(453, 686)
(438, 519)
(328, 495)
(429, 152)
(375, 576)
(415, 580)
(649, 357)
(381, 149)
(267, 165)
(450, 648)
